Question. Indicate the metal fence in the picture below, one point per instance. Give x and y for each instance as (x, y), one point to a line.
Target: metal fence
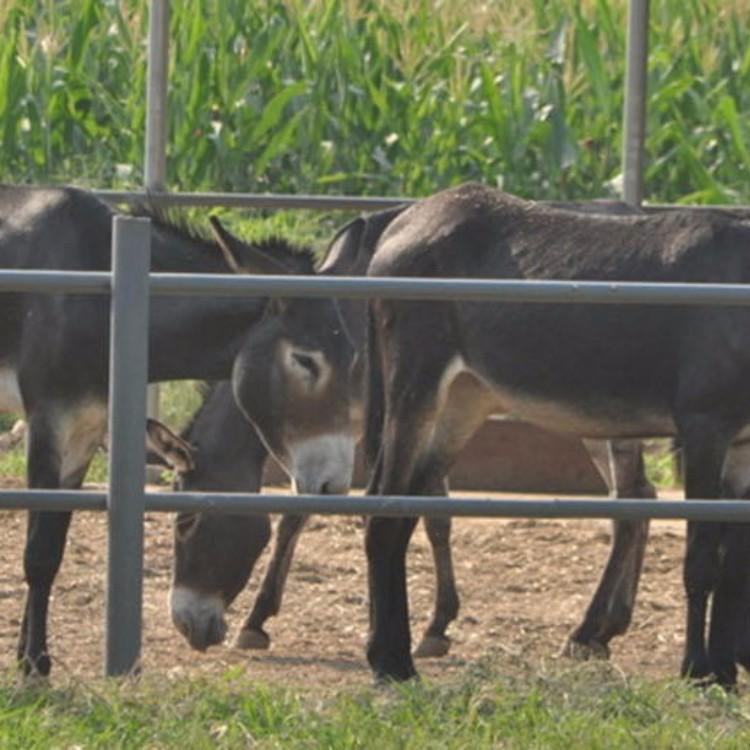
(129, 285)
(126, 500)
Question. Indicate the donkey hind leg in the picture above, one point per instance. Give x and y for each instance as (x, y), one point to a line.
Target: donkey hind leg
(268, 602)
(435, 642)
(620, 463)
(410, 399)
(463, 405)
(460, 405)
(46, 535)
(705, 445)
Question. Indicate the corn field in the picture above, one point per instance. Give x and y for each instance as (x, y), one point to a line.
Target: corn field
(372, 98)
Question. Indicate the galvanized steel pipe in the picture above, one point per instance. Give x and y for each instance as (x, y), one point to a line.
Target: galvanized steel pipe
(127, 451)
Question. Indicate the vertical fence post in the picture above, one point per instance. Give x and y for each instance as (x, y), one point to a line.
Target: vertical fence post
(131, 251)
(155, 167)
(634, 116)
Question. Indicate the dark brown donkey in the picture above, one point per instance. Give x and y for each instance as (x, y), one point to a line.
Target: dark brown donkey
(437, 369)
(54, 358)
(215, 553)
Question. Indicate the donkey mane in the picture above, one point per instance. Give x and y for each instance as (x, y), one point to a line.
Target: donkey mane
(177, 220)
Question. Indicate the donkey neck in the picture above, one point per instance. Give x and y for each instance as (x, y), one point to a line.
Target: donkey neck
(194, 337)
(198, 337)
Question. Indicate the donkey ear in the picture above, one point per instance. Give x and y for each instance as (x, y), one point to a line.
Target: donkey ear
(242, 257)
(173, 450)
(353, 246)
(343, 250)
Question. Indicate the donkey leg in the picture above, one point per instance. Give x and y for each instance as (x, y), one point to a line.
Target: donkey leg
(435, 642)
(610, 610)
(736, 484)
(45, 543)
(609, 614)
(46, 535)
(728, 610)
(410, 401)
(389, 642)
(705, 444)
(268, 602)
(463, 407)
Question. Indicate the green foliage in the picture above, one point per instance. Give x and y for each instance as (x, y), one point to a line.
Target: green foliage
(661, 463)
(372, 97)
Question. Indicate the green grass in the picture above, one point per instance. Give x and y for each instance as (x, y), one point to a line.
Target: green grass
(661, 464)
(582, 707)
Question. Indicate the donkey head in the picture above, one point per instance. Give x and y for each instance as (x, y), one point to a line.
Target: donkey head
(292, 377)
(214, 552)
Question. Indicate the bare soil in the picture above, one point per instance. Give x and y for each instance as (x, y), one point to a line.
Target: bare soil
(524, 584)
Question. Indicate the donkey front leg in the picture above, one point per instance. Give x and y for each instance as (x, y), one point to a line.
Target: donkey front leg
(268, 602)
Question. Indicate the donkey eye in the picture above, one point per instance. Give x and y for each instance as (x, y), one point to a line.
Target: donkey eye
(307, 363)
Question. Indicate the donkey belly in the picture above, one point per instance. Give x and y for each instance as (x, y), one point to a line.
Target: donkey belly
(593, 419)
(595, 372)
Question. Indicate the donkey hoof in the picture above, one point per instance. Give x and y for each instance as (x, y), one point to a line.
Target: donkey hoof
(252, 640)
(584, 651)
(432, 647)
(35, 670)
(696, 670)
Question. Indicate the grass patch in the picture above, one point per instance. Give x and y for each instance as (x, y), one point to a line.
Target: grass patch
(582, 707)
(662, 466)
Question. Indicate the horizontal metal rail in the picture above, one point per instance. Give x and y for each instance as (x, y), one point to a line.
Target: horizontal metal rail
(477, 290)
(371, 505)
(354, 287)
(253, 200)
(317, 202)
(49, 282)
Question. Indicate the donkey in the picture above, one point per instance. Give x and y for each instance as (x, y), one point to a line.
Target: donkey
(215, 553)
(437, 369)
(54, 359)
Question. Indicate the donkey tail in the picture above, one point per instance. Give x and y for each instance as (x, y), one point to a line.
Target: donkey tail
(374, 396)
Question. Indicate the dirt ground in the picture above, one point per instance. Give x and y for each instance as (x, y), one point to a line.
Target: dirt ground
(523, 584)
